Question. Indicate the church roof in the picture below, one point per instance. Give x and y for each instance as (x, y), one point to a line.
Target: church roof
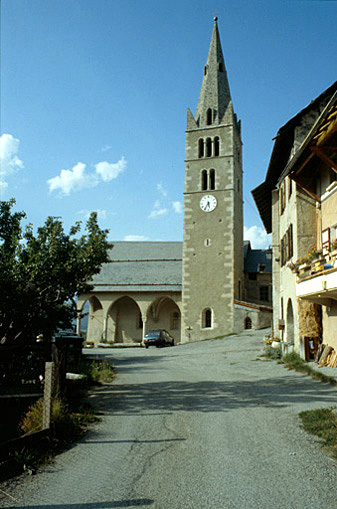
(214, 93)
(141, 266)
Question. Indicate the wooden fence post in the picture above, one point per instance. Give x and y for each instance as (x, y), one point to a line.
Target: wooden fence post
(47, 395)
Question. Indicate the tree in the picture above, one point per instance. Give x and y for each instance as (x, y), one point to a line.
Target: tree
(41, 274)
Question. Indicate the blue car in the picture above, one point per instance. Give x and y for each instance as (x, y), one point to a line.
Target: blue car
(159, 337)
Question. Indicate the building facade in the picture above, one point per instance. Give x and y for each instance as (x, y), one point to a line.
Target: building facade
(292, 214)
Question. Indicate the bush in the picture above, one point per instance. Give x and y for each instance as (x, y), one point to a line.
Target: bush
(272, 353)
(97, 372)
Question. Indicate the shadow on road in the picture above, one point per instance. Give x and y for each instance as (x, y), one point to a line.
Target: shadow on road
(91, 505)
(210, 396)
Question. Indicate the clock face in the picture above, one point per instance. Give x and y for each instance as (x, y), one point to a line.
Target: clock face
(208, 203)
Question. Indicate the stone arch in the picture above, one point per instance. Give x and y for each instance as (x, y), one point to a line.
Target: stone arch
(289, 332)
(95, 330)
(164, 313)
(124, 321)
(248, 322)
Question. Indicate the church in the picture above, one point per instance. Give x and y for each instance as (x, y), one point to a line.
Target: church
(212, 284)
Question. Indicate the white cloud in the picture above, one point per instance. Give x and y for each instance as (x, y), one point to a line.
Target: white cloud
(161, 189)
(158, 210)
(105, 148)
(101, 214)
(72, 180)
(258, 237)
(9, 161)
(135, 238)
(110, 171)
(177, 207)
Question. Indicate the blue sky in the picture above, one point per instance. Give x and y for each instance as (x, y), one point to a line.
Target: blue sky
(95, 92)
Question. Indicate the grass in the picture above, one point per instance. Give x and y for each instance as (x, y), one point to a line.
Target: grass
(70, 420)
(293, 361)
(322, 422)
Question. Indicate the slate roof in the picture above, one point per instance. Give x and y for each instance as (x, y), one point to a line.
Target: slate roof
(141, 266)
(255, 257)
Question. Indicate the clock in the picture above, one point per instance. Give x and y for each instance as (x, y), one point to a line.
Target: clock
(208, 203)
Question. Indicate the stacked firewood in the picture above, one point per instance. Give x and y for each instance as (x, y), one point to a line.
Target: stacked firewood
(326, 356)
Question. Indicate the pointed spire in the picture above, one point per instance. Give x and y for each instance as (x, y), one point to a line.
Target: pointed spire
(214, 96)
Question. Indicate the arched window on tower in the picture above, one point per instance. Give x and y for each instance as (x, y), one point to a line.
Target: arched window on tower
(207, 318)
(201, 148)
(220, 67)
(209, 116)
(205, 70)
(203, 180)
(212, 179)
(208, 147)
(216, 146)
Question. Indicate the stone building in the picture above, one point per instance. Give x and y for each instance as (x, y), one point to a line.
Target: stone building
(195, 289)
(291, 213)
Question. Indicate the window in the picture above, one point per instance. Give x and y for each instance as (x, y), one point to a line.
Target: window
(208, 147)
(287, 245)
(261, 267)
(175, 318)
(248, 323)
(282, 193)
(209, 117)
(212, 179)
(201, 148)
(216, 146)
(207, 318)
(264, 294)
(203, 180)
(205, 70)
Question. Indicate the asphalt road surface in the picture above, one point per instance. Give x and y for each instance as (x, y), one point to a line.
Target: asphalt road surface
(198, 426)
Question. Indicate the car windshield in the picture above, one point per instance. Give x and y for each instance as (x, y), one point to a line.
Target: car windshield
(153, 334)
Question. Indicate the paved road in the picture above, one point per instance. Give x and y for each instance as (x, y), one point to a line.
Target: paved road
(197, 426)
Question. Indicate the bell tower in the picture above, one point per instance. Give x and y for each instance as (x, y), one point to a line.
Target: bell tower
(213, 215)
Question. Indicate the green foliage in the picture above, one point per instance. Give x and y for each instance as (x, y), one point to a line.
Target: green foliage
(42, 273)
(323, 423)
(97, 372)
(272, 353)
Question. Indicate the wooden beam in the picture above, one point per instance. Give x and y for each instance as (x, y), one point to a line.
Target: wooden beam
(310, 193)
(320, 153)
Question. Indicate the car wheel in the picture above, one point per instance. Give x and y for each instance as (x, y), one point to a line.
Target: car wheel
(146, 346)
